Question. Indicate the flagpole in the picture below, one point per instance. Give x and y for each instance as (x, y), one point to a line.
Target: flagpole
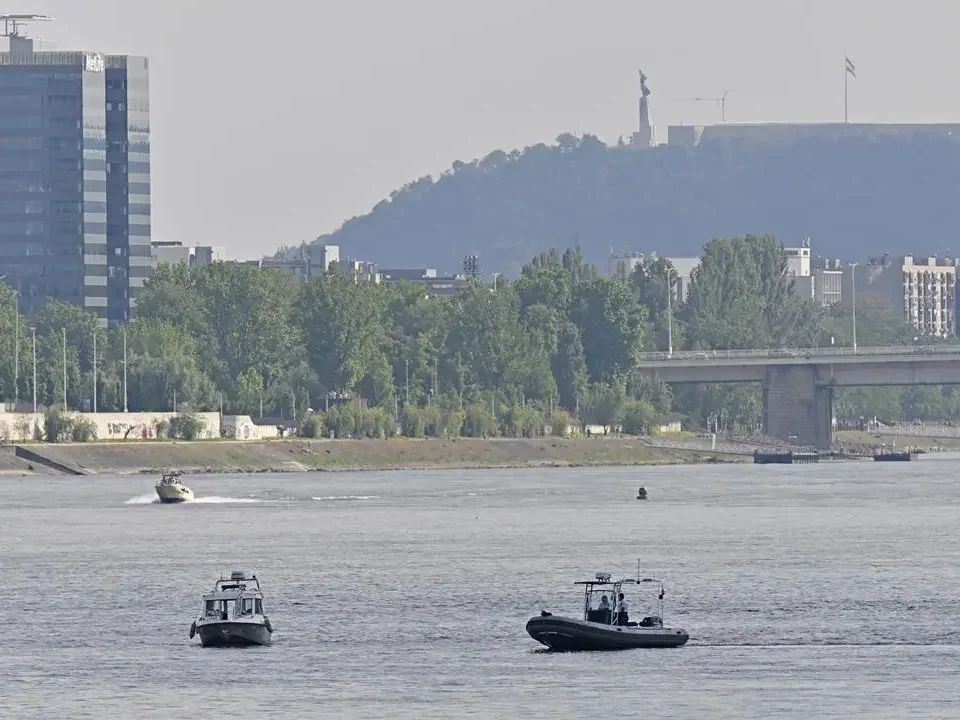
(846, 79)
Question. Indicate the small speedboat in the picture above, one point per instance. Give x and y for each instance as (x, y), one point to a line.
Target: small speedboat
(171, 490)
(604, 625)
(232, 614)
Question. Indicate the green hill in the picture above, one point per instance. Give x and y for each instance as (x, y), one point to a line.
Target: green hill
(853, 198)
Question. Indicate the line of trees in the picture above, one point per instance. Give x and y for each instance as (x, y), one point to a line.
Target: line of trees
(558, 344)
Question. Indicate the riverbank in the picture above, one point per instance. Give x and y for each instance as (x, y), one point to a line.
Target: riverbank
(226, 456)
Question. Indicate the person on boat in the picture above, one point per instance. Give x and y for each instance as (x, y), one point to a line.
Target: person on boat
(623, 611)
(604, 610)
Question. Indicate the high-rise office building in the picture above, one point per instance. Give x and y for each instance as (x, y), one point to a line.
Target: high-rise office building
(74, 176)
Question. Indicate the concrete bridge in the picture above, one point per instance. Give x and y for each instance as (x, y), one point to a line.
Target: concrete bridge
(798, 383)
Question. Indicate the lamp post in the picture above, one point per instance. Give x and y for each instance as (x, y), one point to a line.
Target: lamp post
(669, 314)
(125, 368)
(853, 302)
(94, 370)
(33, 331)
(64, 331)
(16, 349)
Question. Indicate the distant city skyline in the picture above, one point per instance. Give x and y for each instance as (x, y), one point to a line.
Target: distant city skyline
(271, 130)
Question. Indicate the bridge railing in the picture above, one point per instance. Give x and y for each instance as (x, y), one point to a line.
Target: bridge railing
(799, 352)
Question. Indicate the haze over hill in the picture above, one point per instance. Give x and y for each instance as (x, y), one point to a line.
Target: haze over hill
(852, 197)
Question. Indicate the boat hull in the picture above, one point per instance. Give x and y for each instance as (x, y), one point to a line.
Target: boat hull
(174, 493)
(233, 634)
(570, 635)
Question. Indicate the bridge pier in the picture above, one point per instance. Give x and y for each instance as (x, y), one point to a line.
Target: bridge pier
(794, 405)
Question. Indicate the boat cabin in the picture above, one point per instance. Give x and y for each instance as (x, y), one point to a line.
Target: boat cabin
(237, 597)
(170, 478)
(602, 594)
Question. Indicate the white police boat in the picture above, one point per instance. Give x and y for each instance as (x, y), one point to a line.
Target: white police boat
(171, 490)
(232, 614)
(602, 626)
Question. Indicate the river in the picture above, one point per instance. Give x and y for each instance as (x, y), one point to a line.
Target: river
(808, 592)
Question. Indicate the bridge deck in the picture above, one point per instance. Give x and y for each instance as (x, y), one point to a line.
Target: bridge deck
(905, 365)
(800, 356)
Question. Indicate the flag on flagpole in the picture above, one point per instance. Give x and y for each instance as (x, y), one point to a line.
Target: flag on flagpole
(850, 67)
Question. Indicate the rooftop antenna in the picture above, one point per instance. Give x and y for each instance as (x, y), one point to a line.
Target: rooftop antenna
(13, 23)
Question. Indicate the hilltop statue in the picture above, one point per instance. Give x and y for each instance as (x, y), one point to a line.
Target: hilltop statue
(644, 135)
(643, 85)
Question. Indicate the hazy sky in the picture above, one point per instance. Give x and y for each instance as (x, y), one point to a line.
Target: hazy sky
(272, 129)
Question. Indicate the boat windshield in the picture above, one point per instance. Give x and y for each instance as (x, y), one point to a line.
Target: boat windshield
(246, 606)
(221, 609)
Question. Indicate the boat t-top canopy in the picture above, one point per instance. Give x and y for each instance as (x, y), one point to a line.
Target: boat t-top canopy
(603, 584)
(237, 581)
(605, 579)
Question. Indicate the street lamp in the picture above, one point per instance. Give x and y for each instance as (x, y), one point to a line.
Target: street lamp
(33, 331)
(16, 350)
(669, 314)
(125, 375)
(853, 302)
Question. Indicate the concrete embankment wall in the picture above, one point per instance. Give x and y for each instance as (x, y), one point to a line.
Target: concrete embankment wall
(11, 464)
(300, 455)
(46, 463)
(22, 427)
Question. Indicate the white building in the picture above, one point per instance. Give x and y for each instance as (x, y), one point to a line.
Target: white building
(622, 266)
(175, 252)
(922, 288)
(798, 268)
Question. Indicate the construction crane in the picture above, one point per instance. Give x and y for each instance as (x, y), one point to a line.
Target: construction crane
(720, 101)
(13, 23)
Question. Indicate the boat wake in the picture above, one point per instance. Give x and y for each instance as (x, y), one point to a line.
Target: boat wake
(147, 499)
(826, 643)
(152, 499)
(215, 500)
(344, 498)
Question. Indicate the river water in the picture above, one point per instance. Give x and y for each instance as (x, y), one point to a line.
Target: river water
(808, 592)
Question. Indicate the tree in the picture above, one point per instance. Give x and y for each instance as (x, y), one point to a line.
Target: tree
(343, 324)
(486, 338)
(53, 322)
(611, 323)
(637, 418)
(654, 282)
(248, 313)
(570, 367)
(12, 324)
(606, 404)
(240, 317)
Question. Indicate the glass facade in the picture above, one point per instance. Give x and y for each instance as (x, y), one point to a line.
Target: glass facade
(75, 179)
